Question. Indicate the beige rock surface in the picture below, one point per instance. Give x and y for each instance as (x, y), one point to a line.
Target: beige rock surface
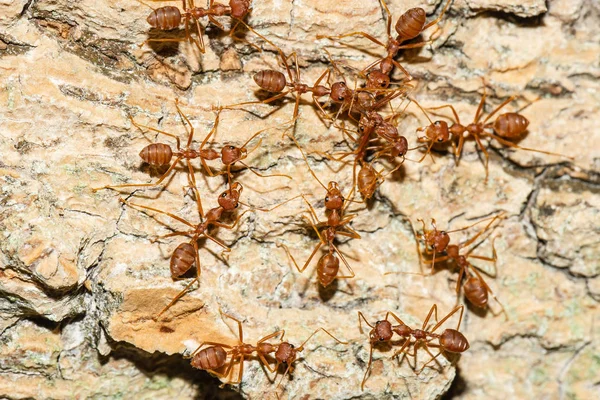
(81, 279)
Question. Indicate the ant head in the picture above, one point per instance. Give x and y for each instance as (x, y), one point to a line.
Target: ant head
(438, 132)
(340, 92)
(229, 199)
(382, 332)
(365, 123)
(286, 353)
(400, 147)
(377, 80)
(231, 154)
(440, 242)
(334, 199)
(239, 8)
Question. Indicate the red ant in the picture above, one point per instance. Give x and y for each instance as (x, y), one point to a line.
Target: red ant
(335, 203)
(186, 254)
(451, 340)
(159, 154)
(508, 126)
(409, 26)
(215, 356)
(167, 18)
(475, 288)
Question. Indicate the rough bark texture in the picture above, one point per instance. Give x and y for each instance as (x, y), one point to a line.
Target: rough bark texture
(80, 279)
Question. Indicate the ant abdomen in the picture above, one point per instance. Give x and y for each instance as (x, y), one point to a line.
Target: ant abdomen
(476, 292)
(367, 181)
(157, 154)
(327, 269)
(377, 80)
(270, 80)
(210, 358)
(165, 18)
(453, 341)
(510, 125)
(410, 24)
(182, 259)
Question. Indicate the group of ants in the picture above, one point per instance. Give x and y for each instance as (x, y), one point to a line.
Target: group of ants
(376, 138)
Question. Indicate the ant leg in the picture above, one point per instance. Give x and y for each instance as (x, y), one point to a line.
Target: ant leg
(157, 183)
(261, 175)
(222, 225)
(430, 360)
(362, 385)
(184, 120)
(192, 181)
(176, 298)
(217, 241)
(401, 350)
(511, 144)
(175, 217)
(287, 250)
(345, 263)
(317, 247)
(361, 315)
(431, 311)
(309, 168)
(359, 33)
(435, 21)
(272, 335)
(485, 153)
(502, 105)
(395, 317)
(154, 130)
(491, 259)
(267, 101)
(239, 323)
(451, 313)
(301, 347)
(199, 44)
(456, 119)
(216, 23)
(401, 68)
(485, 228)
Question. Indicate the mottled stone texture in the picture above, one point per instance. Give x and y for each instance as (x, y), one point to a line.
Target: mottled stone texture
(80, 278)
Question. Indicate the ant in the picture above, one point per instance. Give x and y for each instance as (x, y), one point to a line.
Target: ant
(275, 82)
(159, 154)
(451, 340)
(335, 203)
(215, 356)
(475, 288)
(409, 25)
(186, 254)
(167, 18)
(508, 126)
